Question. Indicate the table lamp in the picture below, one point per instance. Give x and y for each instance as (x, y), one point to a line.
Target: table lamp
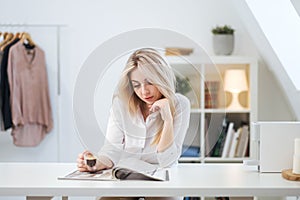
(235, 82)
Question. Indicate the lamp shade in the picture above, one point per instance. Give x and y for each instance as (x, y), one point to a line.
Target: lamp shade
(235, 80)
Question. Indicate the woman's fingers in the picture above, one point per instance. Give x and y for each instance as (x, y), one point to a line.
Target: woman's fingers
(81, 166)
(80, 162)
(82, 169)
(163, 107)
(154, 108)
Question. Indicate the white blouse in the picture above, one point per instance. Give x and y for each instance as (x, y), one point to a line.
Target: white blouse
(129, 137)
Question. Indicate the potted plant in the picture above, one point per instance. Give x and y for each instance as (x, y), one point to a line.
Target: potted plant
(223, 40)
(182, 85)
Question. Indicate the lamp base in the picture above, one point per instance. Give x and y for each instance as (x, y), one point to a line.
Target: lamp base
(235, 104)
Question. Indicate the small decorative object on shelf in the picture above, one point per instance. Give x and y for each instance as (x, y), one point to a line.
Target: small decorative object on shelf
(177, 51)
(294, 173)
(289, 175)
(223, 40)
(225, 30)
(182, 85)
(296, 157)
(235, 81)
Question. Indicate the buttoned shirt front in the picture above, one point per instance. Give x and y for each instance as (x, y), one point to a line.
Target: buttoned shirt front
(129, 136)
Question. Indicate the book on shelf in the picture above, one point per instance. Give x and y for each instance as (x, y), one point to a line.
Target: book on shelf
(240, 142)
(218, 147)
(213, 129)
(228, 140)
(235, 141)
(190, 151)
(211, 94)
(127, 169)
(208, 145)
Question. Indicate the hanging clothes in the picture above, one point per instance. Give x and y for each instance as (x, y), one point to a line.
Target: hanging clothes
(5, 90)
(30, 101)
(1, 118)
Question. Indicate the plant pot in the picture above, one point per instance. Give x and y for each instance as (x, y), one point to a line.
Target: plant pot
(223, 44)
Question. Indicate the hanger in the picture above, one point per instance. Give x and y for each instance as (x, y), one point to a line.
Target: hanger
(15, 36)
(18, 35)
(5, 34)
(7, 39)
(26, 37)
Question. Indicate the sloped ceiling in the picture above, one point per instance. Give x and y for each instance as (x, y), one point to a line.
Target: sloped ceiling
(278, 52)
(296, 4)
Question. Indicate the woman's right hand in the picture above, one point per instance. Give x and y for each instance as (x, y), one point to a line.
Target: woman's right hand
(81, 163)
(83, 167)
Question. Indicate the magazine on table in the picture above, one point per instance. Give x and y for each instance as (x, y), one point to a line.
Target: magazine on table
(128, 169)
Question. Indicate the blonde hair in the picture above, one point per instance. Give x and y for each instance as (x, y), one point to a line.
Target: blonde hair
(158, 72)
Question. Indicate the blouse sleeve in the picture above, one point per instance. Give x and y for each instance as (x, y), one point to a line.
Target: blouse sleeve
(114, 140)
(180, 126)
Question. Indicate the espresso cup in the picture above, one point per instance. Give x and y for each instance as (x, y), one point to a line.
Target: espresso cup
(90, 159)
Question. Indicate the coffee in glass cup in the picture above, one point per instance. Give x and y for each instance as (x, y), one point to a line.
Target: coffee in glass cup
(90, 159)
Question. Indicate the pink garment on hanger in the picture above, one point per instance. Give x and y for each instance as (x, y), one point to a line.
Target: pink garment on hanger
(30, 101)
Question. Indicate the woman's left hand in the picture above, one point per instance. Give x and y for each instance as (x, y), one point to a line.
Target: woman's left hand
(163, 106)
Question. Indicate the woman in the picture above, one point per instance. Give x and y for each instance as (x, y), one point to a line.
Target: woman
(148, 121)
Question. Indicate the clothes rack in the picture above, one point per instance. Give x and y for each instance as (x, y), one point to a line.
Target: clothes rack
(58, 30)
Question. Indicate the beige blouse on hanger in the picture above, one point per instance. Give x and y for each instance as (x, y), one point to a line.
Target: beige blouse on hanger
(30, 101)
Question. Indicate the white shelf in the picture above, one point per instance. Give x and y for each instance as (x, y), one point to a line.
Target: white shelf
(225, 160)
(210, 59)
(212, 110)
(212, 159)
(201, 69)
(190, 159)
(226, 111)
(196, 110)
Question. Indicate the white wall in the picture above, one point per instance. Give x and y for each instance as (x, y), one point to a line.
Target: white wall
(89, 23)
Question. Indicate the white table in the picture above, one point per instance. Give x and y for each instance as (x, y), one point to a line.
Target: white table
(40, 179)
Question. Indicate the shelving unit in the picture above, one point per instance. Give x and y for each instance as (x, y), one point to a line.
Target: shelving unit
(207, 117)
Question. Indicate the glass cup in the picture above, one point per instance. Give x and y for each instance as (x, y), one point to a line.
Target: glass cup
(90, 160)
